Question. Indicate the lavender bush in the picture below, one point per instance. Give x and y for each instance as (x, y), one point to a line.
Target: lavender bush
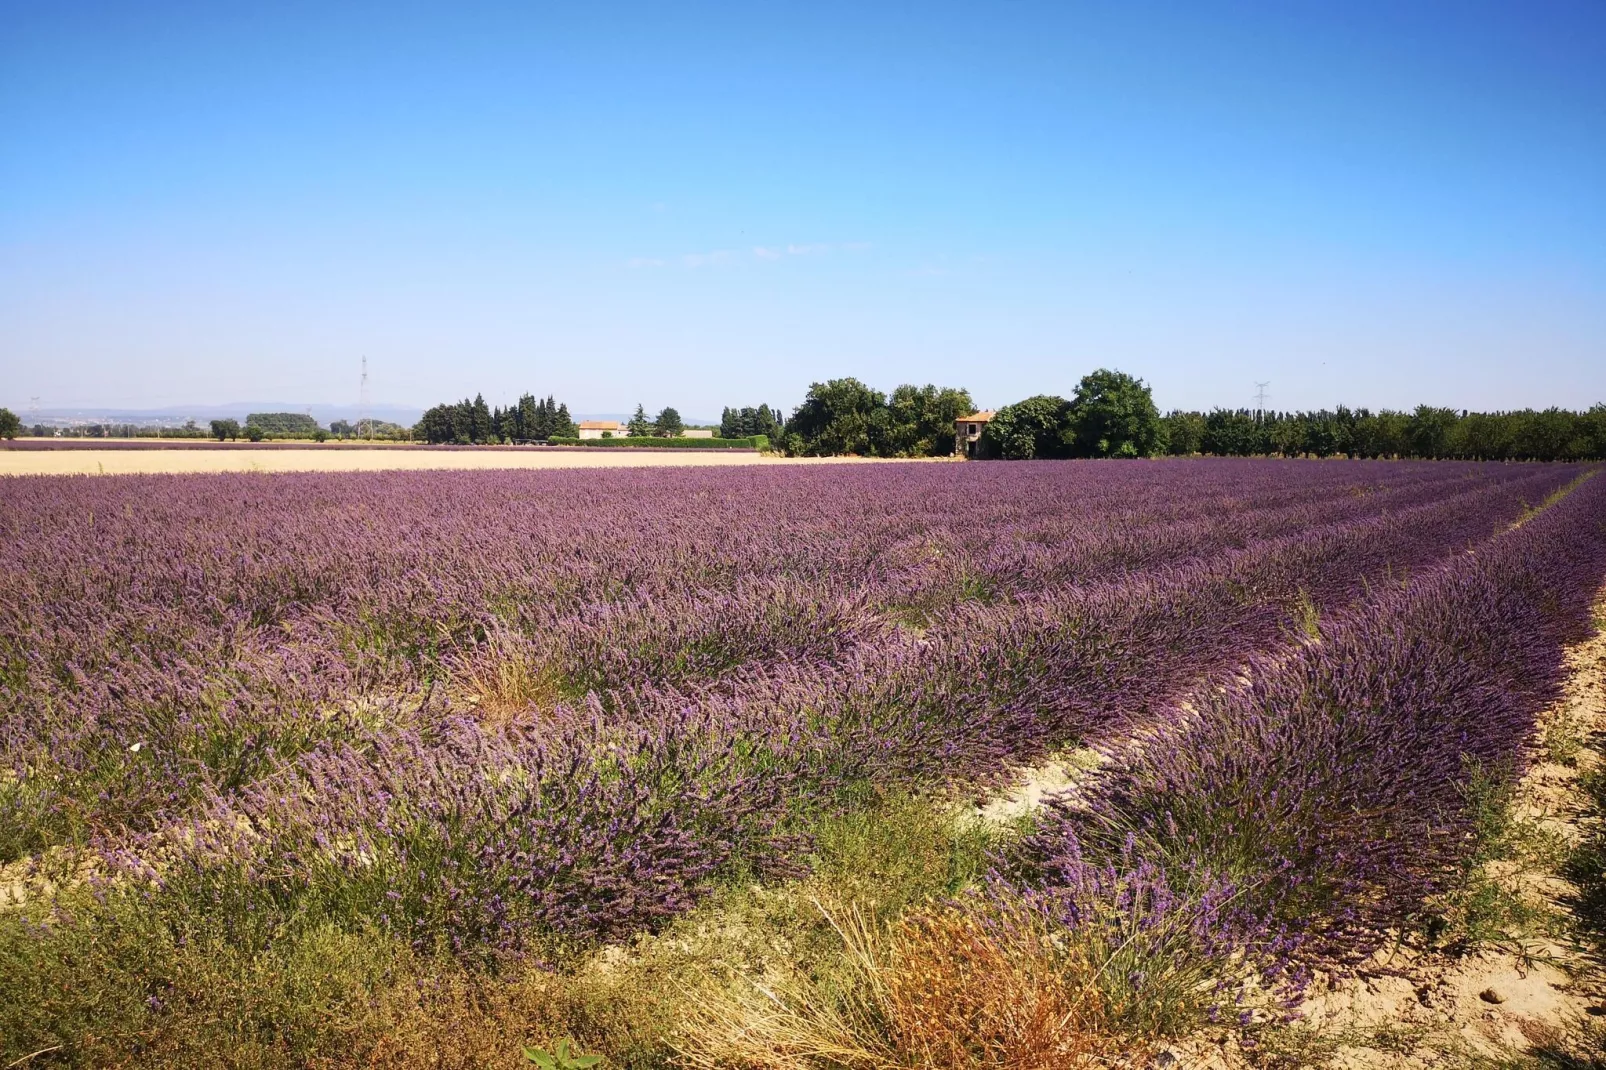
(485, 711)
(1329, 792)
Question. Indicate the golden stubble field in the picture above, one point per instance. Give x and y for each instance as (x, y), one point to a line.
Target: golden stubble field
(140, 462)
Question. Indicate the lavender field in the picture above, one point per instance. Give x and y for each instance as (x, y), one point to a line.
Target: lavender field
(375, 769)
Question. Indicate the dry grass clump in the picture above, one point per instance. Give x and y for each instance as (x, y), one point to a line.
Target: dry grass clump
(462, 1021)
(941, 988)
(505, 675)
(504, 687)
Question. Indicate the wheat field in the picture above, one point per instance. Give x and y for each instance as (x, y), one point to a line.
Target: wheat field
(312, 459)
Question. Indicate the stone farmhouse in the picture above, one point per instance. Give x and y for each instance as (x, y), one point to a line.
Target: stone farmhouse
(967, 432)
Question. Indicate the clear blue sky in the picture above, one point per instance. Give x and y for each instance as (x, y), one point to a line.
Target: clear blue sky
(1371, 203)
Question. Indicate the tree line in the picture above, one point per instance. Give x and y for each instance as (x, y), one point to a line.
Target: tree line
(1112, 414)
(1427, 432)
(476, 423)
(838, 416)
(844, 416)
(750, 421)
(283, 423)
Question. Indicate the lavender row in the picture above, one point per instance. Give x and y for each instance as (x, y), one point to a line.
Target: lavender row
(1009, 683)
(585, 827)
(193, 634)
(1301, 815)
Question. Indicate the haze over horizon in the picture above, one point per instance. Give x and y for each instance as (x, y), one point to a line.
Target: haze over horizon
(1372, 204)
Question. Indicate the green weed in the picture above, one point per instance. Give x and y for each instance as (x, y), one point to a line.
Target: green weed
(1307, 618)
(1563, 738)
(560, 1058)
(1483, 907)
(1586, 868)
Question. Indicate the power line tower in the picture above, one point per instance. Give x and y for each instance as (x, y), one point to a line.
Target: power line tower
(365, 426)
(1260, 400)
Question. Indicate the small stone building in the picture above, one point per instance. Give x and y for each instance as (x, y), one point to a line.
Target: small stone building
(967, 432)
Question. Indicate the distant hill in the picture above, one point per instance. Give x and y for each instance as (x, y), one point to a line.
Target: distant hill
(176, 415)
(624, 418)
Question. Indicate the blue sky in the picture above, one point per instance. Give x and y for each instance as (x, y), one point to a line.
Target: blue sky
(1369, 203)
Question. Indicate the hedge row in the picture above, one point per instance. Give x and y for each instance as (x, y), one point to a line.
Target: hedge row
(754, 442)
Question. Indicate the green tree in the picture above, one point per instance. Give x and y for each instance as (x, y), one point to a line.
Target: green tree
(639, 426)
(1428, 433)
(1483, 436)
(746, 422)
(1113, 415)
(1285, 432)
(222, 429)
(1380, 434)
(10, 424)
(1333, 433)
(1544, 436)
(1034, 428)
(1591, 430)
(668, 424)
(562, 424)
(920, 419)
(1234, 433)
(1184, 432)
(840, 416)
(480, 425)
(438, 424)
(526, 418)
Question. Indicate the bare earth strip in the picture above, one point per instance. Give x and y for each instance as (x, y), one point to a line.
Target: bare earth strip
(141, 462)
